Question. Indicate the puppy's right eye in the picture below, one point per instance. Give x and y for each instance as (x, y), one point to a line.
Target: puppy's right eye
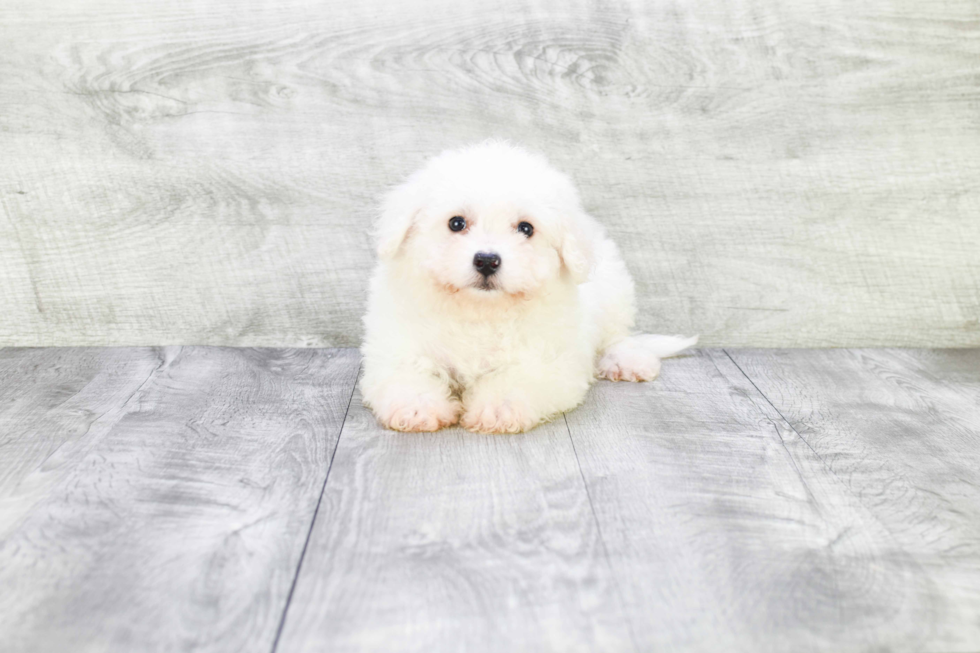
(457, 223)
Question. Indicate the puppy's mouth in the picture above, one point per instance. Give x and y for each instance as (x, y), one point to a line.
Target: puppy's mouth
(485, 284)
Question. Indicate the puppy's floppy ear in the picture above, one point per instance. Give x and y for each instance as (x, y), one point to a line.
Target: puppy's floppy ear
(575, 249)
(398, 211)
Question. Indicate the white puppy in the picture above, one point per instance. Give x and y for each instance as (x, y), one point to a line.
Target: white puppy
(497, 300)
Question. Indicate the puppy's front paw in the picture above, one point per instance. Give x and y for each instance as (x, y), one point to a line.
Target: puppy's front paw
(426, 412)
(626, 363)
(503, 416)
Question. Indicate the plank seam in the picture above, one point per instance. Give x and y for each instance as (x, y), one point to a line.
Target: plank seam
(163, 362)
(856, 496)
(783, 417)
(122, 405)
(316, 511)
(602, 539)
(782, 443)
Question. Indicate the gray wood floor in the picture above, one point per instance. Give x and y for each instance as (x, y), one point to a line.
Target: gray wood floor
(215, 499)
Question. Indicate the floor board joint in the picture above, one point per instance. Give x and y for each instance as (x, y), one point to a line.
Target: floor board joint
(316, 511)
(778, 412)
(602, 540)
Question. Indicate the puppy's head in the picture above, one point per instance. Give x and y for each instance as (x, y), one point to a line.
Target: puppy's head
(488, 220)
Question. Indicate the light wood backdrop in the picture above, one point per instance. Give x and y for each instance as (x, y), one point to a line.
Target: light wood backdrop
(800, 173)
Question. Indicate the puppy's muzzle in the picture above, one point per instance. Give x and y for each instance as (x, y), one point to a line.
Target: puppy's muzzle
(486, 263)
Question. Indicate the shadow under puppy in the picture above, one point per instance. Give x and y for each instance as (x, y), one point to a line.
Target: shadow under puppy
(496, 300)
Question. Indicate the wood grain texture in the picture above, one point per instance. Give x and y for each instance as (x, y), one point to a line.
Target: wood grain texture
(725, 530)
(174, 521)
(901, 430)
(802, 174)
(454, 542)
(749, 500)
(55, 407)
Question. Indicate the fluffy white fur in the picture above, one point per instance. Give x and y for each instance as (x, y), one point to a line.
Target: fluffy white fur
(440, 349)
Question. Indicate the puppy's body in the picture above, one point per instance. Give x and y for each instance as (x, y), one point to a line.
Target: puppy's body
(501, 350)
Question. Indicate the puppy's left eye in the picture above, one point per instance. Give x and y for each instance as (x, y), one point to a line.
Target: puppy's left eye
(526, 228)
(457, 223)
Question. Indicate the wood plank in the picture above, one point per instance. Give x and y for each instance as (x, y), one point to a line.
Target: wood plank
(776, 174)
(181, 527)
(901, 430)
(454, 542)
(726, 532)
(55, 406)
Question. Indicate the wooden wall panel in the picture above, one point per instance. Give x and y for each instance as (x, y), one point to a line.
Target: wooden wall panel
(777, 174)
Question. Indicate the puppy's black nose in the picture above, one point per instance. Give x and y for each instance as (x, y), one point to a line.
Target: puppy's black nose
(486, 263)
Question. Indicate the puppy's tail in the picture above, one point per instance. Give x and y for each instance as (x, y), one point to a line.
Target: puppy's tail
(662, 346)
(637, 358)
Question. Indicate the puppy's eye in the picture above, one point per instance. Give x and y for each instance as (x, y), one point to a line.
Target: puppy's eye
(457, 223)
(526, 228)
